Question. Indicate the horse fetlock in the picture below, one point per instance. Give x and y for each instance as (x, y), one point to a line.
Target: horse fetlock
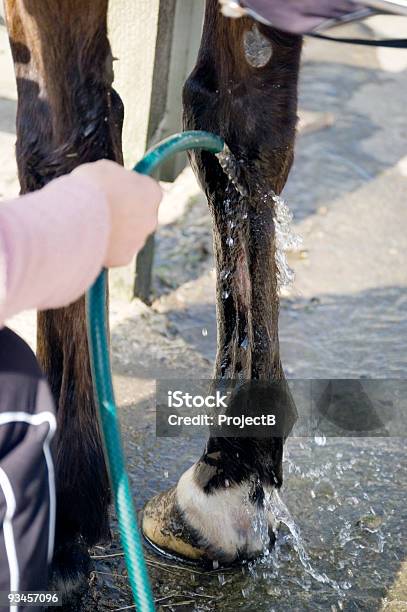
(228, 524)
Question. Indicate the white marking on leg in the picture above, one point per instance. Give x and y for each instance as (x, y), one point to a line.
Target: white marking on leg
(226, 520)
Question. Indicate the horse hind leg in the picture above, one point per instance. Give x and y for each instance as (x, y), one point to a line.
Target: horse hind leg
(67, 114)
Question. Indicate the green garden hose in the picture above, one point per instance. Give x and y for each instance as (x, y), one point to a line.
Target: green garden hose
(102, 380)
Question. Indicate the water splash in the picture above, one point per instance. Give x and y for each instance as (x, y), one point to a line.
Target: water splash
(277, 507)
(286, 240)
(233, 169)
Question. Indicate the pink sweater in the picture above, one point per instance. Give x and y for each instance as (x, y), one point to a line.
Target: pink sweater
(52, 245)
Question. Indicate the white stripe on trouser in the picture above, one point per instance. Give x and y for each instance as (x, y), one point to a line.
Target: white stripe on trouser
(9, 541)
(39, 419)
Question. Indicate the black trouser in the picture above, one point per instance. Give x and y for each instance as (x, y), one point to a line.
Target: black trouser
(27, 488)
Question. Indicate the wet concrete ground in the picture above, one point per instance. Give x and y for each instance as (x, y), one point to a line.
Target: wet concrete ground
(345, 316)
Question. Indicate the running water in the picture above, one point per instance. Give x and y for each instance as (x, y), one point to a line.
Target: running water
(286, 239)
(277, 507)
(232, 169)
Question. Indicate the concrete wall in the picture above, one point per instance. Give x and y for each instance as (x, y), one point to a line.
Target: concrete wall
(186, 36)
(156, 43)
(133, 32)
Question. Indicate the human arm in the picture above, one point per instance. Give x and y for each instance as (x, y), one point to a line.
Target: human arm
(53, 242)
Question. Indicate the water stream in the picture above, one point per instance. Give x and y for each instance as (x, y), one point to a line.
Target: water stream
(285, 238)
(283, 516)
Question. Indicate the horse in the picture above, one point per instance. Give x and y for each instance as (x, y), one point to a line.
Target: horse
(244, 88)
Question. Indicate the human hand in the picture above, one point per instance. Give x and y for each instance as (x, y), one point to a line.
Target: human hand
(133, 201)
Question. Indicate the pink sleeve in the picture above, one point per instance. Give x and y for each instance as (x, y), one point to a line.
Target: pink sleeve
(52, 245)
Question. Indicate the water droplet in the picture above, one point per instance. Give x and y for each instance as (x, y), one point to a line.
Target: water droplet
(320, 440)
(245, 343)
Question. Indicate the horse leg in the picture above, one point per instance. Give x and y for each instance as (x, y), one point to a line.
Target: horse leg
(67, 114)
(243, 87)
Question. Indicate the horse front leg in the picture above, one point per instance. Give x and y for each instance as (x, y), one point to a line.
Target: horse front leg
(67, 114)
(243, 87)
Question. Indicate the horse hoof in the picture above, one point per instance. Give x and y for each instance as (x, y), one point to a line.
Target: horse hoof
(165, 527)
(224, 525)
(70, 574)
